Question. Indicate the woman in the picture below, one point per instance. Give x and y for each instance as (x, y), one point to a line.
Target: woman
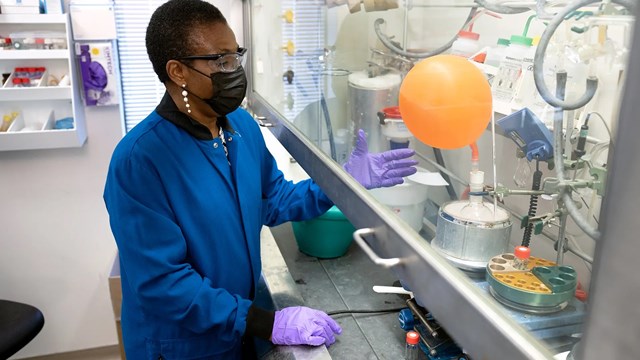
(188, 191)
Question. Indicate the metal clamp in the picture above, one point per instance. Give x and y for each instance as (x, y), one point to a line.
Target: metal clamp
(358, 236)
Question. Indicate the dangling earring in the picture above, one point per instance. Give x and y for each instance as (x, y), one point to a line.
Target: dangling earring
(186, 100)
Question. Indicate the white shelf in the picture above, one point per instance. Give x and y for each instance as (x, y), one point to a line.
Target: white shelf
(39, 107)
(44, 139)
(36, 93)
(33, 18)
(33, 54)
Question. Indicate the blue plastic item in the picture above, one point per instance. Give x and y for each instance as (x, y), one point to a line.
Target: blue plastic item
(529, 133)
(66, 123)
(406, 319)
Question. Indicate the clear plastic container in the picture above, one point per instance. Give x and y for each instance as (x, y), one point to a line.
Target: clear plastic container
(466, 45)
(5, 43)
(26, 77)
(496, 54)
(526, 91)
(38, 40)
(506, 81)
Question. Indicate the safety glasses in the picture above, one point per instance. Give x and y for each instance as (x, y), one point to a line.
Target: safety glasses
(225, 62)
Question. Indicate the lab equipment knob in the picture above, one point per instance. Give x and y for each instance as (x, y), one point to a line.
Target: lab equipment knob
(406, 319)
(289, 48)
(288, 16)
(288, 76)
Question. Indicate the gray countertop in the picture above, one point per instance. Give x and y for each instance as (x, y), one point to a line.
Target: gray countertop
(345, 283)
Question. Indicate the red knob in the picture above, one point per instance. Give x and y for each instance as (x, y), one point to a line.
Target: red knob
(522, 252)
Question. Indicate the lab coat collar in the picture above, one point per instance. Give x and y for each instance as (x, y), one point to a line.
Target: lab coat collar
(168, 110)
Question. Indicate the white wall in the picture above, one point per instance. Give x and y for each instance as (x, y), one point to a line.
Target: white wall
(56, 244)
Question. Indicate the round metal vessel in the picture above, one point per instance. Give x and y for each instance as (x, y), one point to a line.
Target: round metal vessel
(470, 243)
(541, 288)
(367, 96)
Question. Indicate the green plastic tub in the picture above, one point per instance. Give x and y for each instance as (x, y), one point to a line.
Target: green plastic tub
(327, 236)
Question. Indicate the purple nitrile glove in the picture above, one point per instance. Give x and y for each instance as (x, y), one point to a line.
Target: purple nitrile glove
(99, 78)
(380, 169)
(299, 325)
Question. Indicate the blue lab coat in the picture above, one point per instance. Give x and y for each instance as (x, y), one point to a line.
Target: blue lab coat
(187, 224)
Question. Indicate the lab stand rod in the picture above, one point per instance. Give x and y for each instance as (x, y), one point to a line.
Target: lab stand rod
(561, 242)
(411, 303)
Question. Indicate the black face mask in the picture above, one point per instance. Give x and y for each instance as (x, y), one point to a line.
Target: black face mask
(229, 90)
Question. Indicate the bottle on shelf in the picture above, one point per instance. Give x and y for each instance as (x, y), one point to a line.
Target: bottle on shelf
(521, 259)
(466, 44)
(526, 92)
(510, 70)
(412, 347)
(496, 53)
(7, 120)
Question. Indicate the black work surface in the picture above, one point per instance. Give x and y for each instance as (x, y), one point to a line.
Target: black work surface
(345, 283)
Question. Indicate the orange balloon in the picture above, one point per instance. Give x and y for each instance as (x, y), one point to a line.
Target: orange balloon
(445, 101)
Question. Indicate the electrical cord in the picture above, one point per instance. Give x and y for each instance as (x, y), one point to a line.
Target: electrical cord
(606, 126)
(364, 311)
(577, 250)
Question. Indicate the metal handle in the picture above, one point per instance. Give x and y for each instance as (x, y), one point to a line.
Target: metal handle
(262, 121)
(358, 237)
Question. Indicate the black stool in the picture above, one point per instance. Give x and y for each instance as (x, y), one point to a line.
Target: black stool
(19, 324)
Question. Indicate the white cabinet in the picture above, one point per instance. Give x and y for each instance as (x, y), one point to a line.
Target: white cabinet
(40, 105)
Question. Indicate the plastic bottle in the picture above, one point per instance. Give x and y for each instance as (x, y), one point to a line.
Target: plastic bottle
(6, 122)
(496, 54)
(412, 347)
(521, 257)
(510, 70)
(525, 94)
(466, 45)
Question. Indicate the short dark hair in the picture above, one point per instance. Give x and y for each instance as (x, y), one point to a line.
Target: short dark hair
(168, 33)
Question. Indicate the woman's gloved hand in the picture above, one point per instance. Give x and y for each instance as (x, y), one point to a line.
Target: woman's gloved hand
(299, 325)
(381, 169)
